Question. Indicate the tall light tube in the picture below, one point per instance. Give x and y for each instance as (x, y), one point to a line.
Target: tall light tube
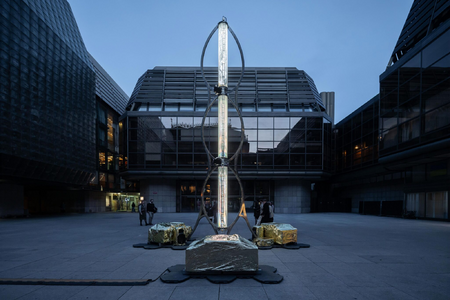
(223, 128)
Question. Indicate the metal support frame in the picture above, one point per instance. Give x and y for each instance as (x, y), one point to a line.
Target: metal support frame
(222, 160)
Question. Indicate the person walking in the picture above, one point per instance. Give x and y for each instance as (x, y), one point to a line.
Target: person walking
(150, 211)
(261, 212)
(133, 207)
(266, 212)
(256, 211)
(141, 210)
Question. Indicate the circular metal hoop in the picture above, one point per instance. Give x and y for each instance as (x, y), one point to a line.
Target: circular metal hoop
(235, 88)
(211, 168)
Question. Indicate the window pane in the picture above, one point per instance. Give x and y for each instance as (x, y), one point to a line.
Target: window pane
(265, 123)
(436, 50)
(437, 118)
(409, 110)
(265, 135)
(154, 107)
(143, 107)
(279, 107)
(186, 107)
(409, 130)
(296, 107)
(297, 123)
(264, 107)
(281, 123)
(265, 147)
(250, 123)
(171, 107)
(280, 135)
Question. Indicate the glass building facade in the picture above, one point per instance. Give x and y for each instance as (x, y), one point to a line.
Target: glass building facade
(286, 131)
(47, 94)
(356, 138)
(59, 113)
(404, 168)
(111, 101)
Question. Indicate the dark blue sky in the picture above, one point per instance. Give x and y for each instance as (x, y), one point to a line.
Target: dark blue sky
(343, 45)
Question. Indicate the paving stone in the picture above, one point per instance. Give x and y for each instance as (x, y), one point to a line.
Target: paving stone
(235, 292)
(195, 292)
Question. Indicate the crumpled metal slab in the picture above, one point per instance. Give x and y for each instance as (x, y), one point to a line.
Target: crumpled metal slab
(259, 231)
(221, 254)
(280, 233)
(167, 233)
(262, 242)
(180, 228)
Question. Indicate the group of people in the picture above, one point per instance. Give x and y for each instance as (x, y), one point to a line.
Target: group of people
(146, 211)
(263, 211)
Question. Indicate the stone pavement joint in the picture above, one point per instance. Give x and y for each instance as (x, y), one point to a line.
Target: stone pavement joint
(88, 282)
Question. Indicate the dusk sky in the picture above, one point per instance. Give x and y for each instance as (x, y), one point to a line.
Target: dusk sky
(343, 45)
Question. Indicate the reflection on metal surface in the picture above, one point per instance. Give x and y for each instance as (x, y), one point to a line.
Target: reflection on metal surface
(223, 54)
(259, 231)
(280, 233)
(261, 242)
(222, 253)
(167, 233)
(222, 222)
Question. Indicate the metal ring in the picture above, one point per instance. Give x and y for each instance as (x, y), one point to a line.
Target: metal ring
(242, 61)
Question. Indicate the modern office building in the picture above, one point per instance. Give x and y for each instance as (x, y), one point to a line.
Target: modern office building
(287, 137)
(408, 171)
(113, 193)
(48, 150)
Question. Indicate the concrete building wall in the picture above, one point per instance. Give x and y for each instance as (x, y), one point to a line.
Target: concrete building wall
(292, 196)
(11, 200)
(370, 193)
(94, 202)
(162, 191)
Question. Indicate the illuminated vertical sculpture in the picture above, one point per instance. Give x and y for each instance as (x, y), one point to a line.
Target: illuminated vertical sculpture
(223, 128)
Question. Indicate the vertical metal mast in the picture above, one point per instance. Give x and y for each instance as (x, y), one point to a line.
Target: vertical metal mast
(223, 127)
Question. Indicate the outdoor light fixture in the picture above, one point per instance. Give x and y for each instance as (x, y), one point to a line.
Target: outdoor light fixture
(222, 195)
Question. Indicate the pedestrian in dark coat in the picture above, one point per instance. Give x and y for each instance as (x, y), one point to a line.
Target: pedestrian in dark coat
(142, 214)
(266, 212)
(150, 211)
(256, 210)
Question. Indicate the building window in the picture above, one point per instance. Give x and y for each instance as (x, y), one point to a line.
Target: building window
(102, 160)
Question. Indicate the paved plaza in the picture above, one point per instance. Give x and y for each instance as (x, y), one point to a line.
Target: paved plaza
(351, 257)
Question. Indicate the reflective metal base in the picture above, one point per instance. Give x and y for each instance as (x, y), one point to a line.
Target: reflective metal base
(222, 253)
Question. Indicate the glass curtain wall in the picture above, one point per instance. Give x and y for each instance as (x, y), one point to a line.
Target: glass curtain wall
(172, 142)
(189, 194)
(357, 138)
(428, 205)
(415, 99)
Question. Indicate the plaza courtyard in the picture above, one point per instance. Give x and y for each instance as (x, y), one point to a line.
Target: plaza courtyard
(351, 257)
